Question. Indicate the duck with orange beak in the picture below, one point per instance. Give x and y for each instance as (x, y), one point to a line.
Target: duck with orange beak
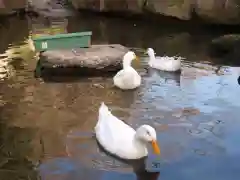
(122, 140)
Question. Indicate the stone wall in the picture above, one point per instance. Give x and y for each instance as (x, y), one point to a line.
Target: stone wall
(214, 11)
(47, 8)
(8, 6)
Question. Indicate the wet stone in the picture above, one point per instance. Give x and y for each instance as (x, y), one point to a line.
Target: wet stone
(96, 59)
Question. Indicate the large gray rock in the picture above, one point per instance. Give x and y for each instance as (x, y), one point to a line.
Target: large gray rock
(214, 11)
(101, 58)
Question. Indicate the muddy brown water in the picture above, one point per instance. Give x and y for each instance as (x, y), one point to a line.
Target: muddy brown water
(47, 127)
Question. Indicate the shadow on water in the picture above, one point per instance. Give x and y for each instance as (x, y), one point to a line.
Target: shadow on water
(41, 121)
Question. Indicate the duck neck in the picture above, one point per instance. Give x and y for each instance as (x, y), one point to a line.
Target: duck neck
(127, 63)
(151, 57)
(140, 144)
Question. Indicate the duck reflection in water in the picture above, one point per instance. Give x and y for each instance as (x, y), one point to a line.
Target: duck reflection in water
(148, 175)
(139, 166)
(167, 76)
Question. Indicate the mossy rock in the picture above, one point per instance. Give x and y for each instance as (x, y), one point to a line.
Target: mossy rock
(226, 43)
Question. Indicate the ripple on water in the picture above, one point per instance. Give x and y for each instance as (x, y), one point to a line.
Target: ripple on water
(85, 159)
(195, 131)
(86, 150)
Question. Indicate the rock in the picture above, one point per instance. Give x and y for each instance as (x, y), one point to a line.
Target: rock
(97, 58)
(51, 8)
(109, 5)
(226, 48)
(225, 43)
(8, 7)
(220, 11)
(180, 8)
(214, 11)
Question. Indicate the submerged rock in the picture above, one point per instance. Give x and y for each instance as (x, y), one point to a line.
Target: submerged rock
(97, 58)
(226, 43)
(227, 48)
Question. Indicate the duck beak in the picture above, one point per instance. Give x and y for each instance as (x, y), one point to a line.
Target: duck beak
(155, 147)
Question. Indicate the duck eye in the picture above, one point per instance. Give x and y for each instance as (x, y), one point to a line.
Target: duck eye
(148, 133)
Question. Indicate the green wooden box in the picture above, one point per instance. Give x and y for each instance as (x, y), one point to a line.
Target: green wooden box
(63, 41)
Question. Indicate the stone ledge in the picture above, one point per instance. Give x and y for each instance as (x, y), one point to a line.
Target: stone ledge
(97, 58)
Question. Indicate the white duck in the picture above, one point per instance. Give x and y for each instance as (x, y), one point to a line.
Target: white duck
(163, 63)
(120, 139)
(127, 78)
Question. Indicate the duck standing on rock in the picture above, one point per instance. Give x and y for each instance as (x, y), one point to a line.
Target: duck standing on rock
(122, 140)
(127, 78)
(165, 63)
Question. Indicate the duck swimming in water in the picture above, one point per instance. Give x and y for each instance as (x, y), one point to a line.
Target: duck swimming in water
(165, 63)
(122, 140)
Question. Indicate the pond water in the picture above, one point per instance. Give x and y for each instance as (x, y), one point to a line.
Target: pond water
(47, 126)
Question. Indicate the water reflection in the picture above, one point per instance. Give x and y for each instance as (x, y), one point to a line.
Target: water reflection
(72, 169)
(15, 148)
(15, 46)
(86, 159)
(168, 77)
(3, 68)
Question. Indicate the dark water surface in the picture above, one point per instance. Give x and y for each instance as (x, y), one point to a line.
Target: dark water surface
(46, 127)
